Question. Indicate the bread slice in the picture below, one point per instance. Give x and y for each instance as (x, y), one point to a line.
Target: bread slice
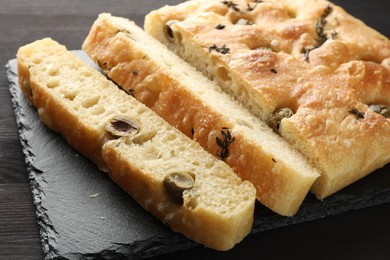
(166, 172)
(186, 99)
(307, 68)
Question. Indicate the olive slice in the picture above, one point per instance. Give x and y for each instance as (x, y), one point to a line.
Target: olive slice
(380, 109)
(168, 30)
(277, 117)
(176, 183)
(121, 126)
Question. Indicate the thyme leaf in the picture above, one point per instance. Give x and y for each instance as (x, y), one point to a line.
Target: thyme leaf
(249, 7)
(231, 4)
(320, 30)
(357, 113)
(219, 142)
(222, 50)
(224, 144)
(220, 27)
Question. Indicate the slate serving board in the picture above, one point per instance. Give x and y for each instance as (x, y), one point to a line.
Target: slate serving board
(82, 214)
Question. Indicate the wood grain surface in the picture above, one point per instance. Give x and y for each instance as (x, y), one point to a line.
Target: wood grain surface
(358, 234)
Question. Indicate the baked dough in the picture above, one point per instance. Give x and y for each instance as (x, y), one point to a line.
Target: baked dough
(186, 99)
(309, 56)
(143, 154)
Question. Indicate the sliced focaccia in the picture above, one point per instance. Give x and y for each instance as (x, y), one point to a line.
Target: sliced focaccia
(166, 172)
(317, 75)
(185, 98)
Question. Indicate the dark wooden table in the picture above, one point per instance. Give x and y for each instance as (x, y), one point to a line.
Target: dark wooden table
(356, 235)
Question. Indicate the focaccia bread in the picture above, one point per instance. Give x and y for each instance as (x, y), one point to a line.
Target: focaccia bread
(185, 98)
(166, 172)
(317, 75)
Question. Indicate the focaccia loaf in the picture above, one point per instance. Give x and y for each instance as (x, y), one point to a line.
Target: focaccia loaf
(317, 75)
(166, 172)
(185, 98)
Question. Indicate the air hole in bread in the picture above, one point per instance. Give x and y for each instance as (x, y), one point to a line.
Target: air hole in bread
(88, 103)
(209, 165)
(144, 137)
(37, 60)
(223, 74)
(98, 110)
(53, 83)
(196, 163)
(70, 96)
(122, 110)
(141, 110)
(53, 71)
(87, 74)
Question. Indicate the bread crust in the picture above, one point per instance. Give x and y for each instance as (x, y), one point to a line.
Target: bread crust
(201, 113)
(310, 56)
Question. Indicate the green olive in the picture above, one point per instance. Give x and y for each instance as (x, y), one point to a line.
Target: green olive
(168, 30)
(380, 109)
(176, 183)
(121, 126)
(277, 117)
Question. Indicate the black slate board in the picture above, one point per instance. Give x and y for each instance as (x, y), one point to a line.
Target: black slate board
(82, 214)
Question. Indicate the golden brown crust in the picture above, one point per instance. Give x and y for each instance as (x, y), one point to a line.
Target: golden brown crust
(310, 56)
(281, 185)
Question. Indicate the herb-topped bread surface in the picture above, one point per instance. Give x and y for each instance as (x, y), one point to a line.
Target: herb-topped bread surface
(318, 76)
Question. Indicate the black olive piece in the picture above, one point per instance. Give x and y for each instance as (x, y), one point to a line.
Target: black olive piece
(380, 109)
(277, 117)
(168, 30)
(176, 183)
(121, 126)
